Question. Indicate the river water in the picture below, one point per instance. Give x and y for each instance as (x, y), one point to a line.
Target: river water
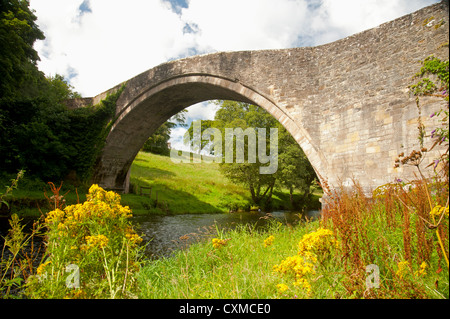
(164, 234)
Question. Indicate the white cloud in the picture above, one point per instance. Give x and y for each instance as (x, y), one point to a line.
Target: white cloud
(201, 111)
(176, 139)
(245, 24)
(336, 19)
(111, 44)
(116, 40)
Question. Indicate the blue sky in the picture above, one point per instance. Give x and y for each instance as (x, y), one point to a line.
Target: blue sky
(96, 44)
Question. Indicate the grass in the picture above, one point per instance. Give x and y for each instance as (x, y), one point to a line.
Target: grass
(242, 269)
(186, 187)
(189, 188)
(381, 233)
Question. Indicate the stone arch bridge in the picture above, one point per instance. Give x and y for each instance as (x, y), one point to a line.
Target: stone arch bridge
(346, 103)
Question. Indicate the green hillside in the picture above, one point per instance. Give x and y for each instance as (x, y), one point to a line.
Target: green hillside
(190, 188)
(182, 187)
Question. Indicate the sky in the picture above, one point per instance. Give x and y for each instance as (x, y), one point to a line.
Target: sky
(97, 44)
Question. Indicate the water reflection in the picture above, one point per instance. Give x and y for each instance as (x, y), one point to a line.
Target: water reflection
(164, 234)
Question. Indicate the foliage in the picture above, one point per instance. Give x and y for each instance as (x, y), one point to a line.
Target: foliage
(9, 189)
(95, 238)
(18, 32)
(433, 81)
(47, 139)
(322, 259)
(158, 142)
(191, 136)
(18, 257)
(313, 247)
(86, 134)
(394, 230)
(294, 170)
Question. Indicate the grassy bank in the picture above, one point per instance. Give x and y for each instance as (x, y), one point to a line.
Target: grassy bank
(180, 188)
(183, 188)
(322, 259)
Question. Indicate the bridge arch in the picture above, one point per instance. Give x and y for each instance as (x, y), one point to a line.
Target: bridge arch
(346, 103)
(147, 111)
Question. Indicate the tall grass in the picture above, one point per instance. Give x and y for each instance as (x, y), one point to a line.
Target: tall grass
(396, 231)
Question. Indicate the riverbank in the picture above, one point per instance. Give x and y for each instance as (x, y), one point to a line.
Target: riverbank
(362, 248)
(158, 186)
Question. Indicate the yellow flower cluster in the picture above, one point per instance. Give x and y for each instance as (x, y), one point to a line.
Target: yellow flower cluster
(96, 241)
(438, 210)
(282, 288)
(302, 264)
(132, 237)
(41, 268)
(217, 243)
(403, 268)
(300, 267)
(269, 241)
(100, 203)
(317, 242)
(54, 216)
(101, 208)
(422, 270)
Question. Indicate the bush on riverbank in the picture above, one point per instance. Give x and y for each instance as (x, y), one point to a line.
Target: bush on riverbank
(92, 251)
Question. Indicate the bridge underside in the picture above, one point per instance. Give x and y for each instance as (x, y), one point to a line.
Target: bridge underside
(346, 103)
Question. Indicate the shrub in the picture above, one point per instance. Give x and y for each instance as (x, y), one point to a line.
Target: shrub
(92, 251)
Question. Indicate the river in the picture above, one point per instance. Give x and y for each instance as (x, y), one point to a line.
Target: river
(164, 234)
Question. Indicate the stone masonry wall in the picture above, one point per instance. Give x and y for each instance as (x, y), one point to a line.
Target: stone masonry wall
(347, 103)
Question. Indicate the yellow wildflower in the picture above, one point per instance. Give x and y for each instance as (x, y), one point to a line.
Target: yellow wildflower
(319, 241)
(422, 270)
(269, 241)
(301, 265)
(438, 210)
(403, 268)
(297, 266)
(41, 267)
(54, 216)
(302, 282)
(217, 243)
(96, 241)
(282, 288)
(132, 236)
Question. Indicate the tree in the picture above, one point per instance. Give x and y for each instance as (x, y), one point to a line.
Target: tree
(241, 115)
(191, 136)
(158, 142)
(18, 32)
(294, 170)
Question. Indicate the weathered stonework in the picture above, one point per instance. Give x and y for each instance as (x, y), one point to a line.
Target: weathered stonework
(346, 103)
